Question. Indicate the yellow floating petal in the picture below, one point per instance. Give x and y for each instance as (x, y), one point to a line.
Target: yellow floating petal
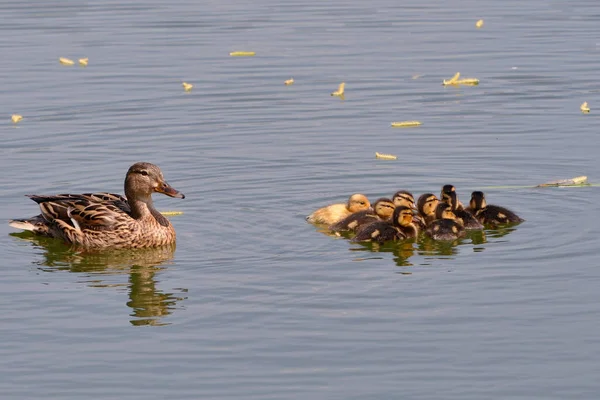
(584, 107)
(242, 53)
(467, 81)
(385, 156)
(171, 213)
(187, 86)
(405, 124)
(289, 82)
(65, 61)
(83, 62)
(479, 23)
(16, 118)
(340, 91)
(452, 80)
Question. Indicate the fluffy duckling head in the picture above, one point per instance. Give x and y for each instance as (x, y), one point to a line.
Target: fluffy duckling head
(403, 198)
(384, 208)
(358, 202)
(444, 211)
(477, 201)
(426, 204)
(448, 195)
(403, 216)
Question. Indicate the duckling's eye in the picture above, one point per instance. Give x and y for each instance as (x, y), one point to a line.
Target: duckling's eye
(144, 172)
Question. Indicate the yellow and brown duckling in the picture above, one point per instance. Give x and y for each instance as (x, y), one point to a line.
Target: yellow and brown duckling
(106, 220)
(336, 212)
(426, 206)
(489, 214)
(382, 211)
(400, 226)
(406, 199)
(446, 226)
(449, 196)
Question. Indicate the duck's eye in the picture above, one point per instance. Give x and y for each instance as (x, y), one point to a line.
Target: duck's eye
(144, 172)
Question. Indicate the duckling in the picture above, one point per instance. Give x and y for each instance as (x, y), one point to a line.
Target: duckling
(449, 196)
(399, 227)
(445, 227)
(426, 206)
(404, 198)
(382, 211)
(489, 214)
(336, 212)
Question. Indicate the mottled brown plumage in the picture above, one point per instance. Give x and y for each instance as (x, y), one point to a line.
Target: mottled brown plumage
(106, 220)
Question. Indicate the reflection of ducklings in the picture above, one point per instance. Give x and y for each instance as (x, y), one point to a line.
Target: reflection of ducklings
(382, 210)
(399, 227)
(404, 198)
(445, 227)
(449, 196)
(426, 206)
(490, 214)
(336, 212)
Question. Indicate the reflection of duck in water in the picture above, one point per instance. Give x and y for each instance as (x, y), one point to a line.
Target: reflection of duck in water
(106, 220)
(490, 214)
(336, 212)
(106, 270)
(382, 211)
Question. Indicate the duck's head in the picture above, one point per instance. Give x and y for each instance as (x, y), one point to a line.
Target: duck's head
(427, 203)
(404, 198)
(444, 211)
(448, 195)
(403, 216)
(358, 202)
(384, 208)
(477, 201)
(143, 179)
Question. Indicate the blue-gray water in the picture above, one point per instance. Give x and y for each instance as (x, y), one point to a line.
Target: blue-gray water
(255, 303)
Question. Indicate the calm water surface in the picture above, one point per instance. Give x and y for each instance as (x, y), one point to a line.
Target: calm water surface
(254, 303)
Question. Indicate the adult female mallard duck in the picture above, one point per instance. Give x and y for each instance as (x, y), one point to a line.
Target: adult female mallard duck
(106, 220)
(399, 227)
(450, 196)
(446, 226)
(336, 212)
(489, 214)
(382, 210)
(426, 206)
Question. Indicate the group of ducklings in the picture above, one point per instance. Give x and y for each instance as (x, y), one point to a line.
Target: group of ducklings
(442, 218)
